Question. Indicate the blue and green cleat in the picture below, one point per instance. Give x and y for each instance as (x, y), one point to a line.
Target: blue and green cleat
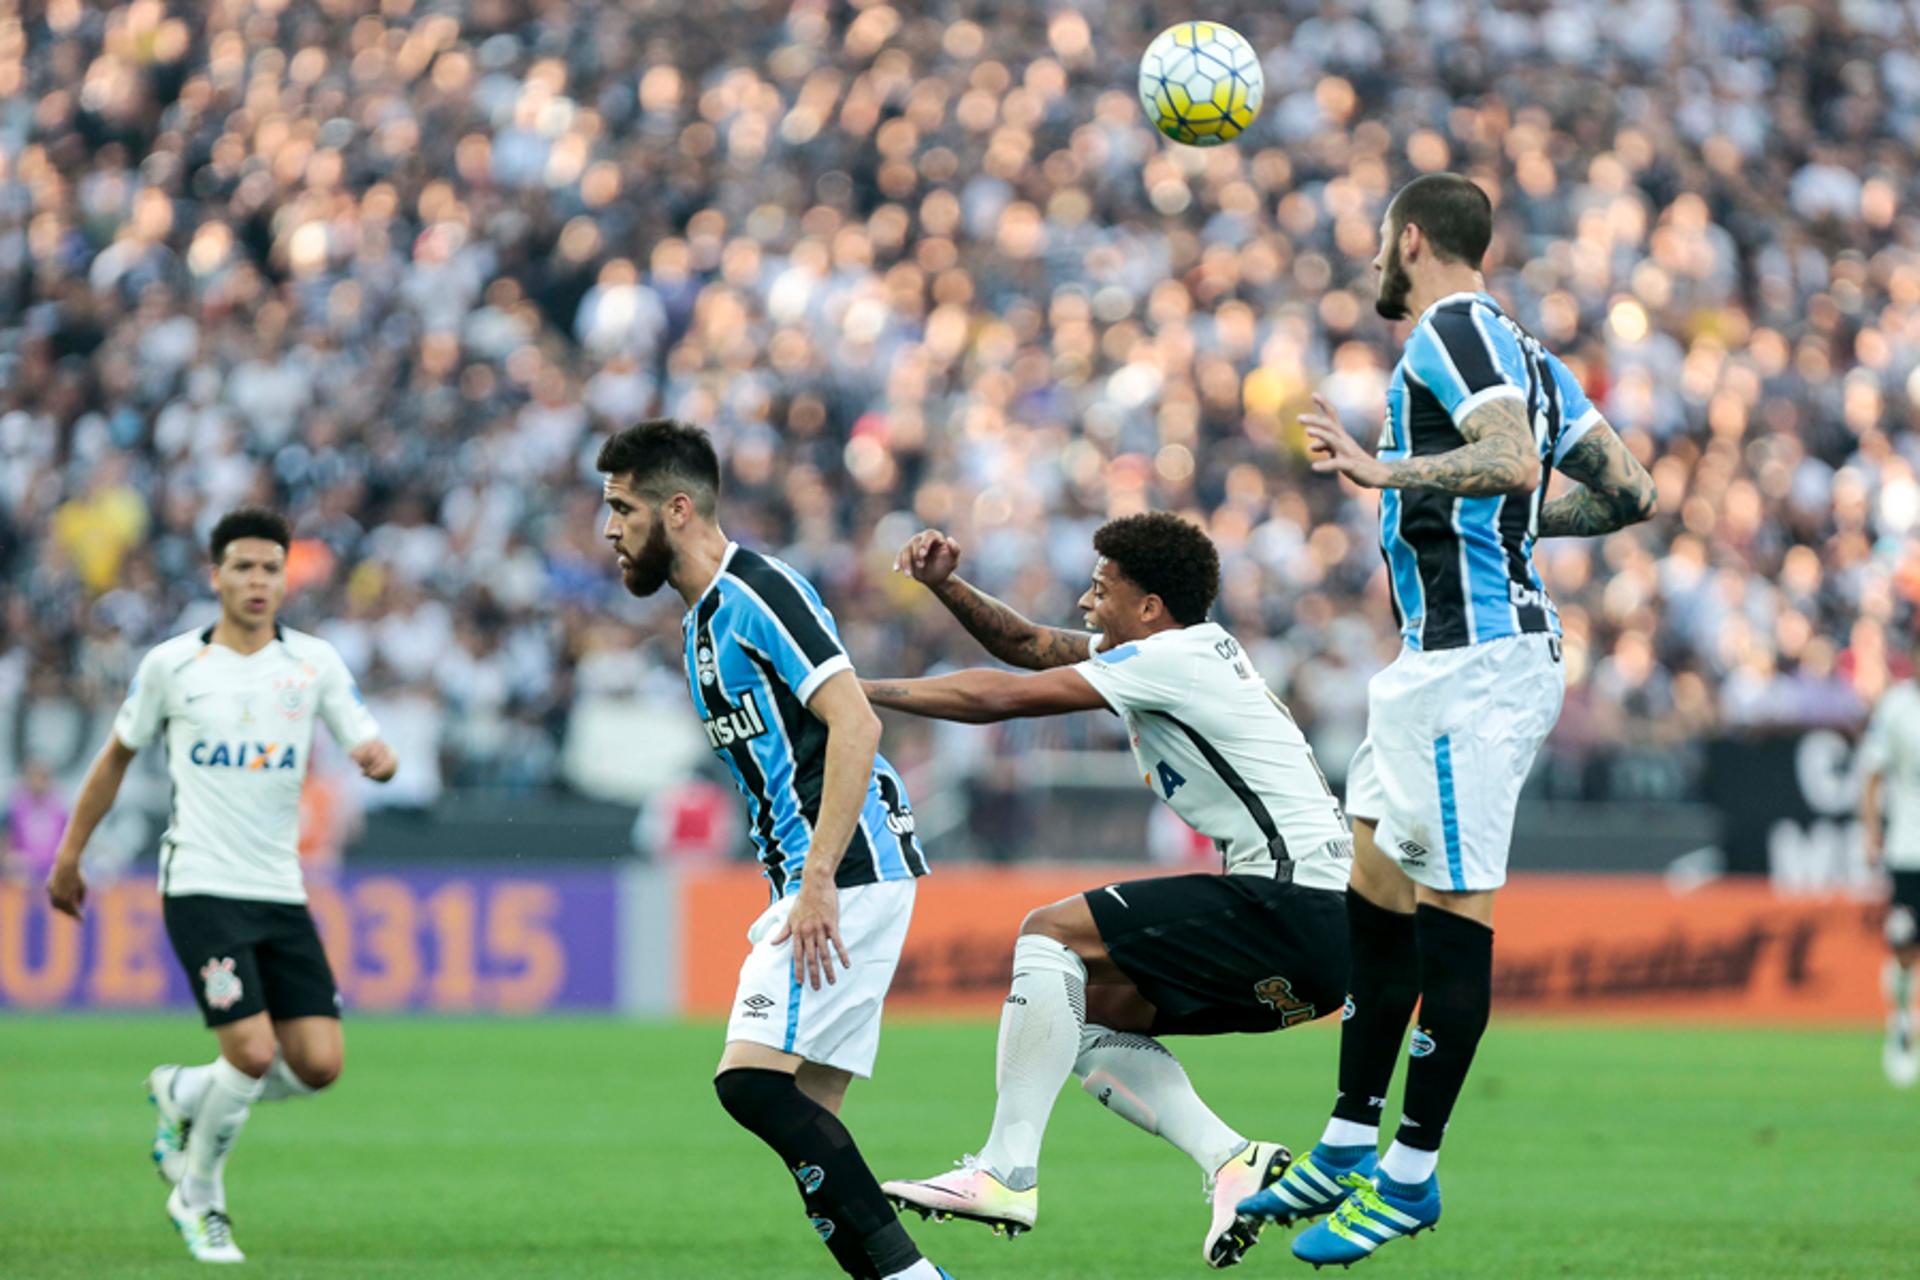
(1377, 1212)
(1314, 1184)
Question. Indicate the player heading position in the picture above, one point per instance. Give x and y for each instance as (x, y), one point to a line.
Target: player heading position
(1892, 798)
(1477, 411)
(1098, 976)
(829, 817)
(237, 703)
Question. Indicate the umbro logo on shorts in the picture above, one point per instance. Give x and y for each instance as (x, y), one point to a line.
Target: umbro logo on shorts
(1415, 854)
(756, 1006)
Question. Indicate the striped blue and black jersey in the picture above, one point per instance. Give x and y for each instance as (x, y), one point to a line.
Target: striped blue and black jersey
(758, 644)
(1461, 569)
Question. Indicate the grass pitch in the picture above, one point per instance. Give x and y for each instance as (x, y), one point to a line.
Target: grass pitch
(595, 1149)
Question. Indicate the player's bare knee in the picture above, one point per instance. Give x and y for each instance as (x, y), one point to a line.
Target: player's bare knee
(317, 1073)
(1047, 922)
(251, 1056)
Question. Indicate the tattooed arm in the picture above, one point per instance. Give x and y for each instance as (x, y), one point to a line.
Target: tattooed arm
(1499, 455)
(931, 558)
(1616, 490)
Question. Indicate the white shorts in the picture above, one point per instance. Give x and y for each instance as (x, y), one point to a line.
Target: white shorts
(838, 1025)
(1451, 736)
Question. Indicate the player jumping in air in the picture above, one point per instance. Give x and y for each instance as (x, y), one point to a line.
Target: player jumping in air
(237, 704)
(1098, 977)
(784, 711)
(1892, 763)
(1477, 412)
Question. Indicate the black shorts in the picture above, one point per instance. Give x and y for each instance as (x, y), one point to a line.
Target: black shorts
(244, 958)
(1906, 897)
(1216, 953)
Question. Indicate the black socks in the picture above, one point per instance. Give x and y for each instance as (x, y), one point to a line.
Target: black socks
(1382, 985)
(842, 1198)
(1456, 996)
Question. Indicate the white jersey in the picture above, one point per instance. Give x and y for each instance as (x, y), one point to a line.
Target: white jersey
(239, 731)
(1892, 749)
(1215, 743)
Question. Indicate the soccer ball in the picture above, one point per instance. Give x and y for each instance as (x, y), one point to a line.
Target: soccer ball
(1201, 83)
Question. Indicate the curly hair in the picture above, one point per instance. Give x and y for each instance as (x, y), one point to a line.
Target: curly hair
(249, 522)
(1164, 556)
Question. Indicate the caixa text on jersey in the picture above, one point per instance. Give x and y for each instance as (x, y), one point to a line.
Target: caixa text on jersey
(245, 754)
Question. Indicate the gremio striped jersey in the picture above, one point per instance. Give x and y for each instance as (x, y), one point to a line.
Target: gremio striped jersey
(759, 644)
(1461, 568)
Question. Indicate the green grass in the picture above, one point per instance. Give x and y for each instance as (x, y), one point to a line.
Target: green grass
(590, 1149)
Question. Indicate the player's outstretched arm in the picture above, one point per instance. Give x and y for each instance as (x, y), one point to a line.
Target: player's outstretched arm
(983, 697)
(931, 557)
(66, 887)
(1498, 457)
(1616, 490)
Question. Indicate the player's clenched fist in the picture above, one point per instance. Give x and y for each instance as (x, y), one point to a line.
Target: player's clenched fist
(376, 760)
(929, 557)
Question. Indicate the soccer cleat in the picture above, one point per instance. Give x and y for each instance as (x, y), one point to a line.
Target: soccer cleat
(969, 1192)
(1314, 1184)
(1898, 1058)
(208, 1232)
(1377, 1212)
(171, 1125)
(1246, 1174)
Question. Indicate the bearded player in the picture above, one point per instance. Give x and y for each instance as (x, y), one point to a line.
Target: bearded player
(236, 703)
(1477, 411)
(830, 819)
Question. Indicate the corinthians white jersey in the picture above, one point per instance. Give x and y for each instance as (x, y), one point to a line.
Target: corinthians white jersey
(239, 731)
(1892, 749)
(1215, 743)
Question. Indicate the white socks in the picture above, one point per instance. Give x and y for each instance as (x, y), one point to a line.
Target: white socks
(1348, 1133)
(1137, 1078)
(1409, 1164)
(280, 1083)
(1039, 1040)
(224, 1101)
(921, 1270)
(189, 1086)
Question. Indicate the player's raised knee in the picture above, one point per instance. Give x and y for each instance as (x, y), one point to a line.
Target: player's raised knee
(1050, 921)
(318, 1073)
(249, 1057)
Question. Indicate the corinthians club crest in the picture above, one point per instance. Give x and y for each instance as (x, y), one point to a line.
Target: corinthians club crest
(221, 983)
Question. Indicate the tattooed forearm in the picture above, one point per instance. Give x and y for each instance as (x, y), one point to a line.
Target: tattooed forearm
(1006, 634)
(1616, 492)
(1499, 456)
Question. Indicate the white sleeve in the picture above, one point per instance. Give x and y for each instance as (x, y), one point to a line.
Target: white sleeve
(1132, 677)
(341, 705)
(145, 709)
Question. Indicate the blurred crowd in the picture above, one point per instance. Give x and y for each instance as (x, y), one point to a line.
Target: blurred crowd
(397, 266)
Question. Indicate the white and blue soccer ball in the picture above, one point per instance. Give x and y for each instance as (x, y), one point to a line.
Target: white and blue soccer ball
(1201, 83)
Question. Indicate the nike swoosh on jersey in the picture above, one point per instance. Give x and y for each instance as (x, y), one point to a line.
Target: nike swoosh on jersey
(1117, 898)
